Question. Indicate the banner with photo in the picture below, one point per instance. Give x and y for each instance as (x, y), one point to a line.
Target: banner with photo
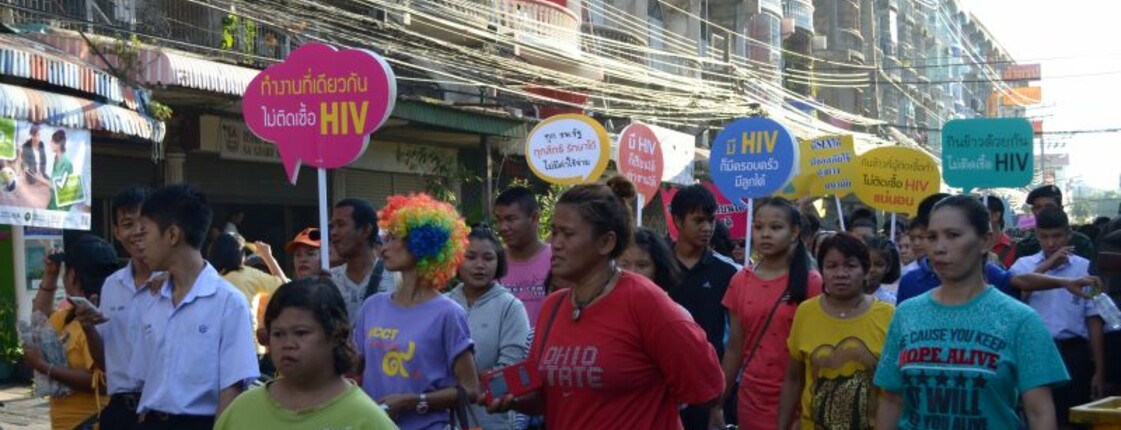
(45, 178)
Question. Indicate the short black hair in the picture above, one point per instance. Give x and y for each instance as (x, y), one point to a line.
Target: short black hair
(861, 214)
(890, 252)
(484, 232)
(692, 198)
(849, 246)
(1046, 191)
(363, 214)
(183, 206)
(320, 297)
(225, 254)
(1050, 218)
(926, 206)
(130, 199)
(521, 196)
(995, 205)
(811, 224)
(721, 241)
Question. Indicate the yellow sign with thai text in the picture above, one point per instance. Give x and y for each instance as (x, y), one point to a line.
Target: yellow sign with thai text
(896, 179)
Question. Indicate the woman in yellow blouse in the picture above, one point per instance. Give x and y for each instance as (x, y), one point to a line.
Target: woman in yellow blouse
(835, 344)
(88, 263)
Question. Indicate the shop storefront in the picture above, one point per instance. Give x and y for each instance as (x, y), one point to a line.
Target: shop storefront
(57, 113)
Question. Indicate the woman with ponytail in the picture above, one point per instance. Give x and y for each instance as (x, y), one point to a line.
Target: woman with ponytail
(613, 351)
(761, 301)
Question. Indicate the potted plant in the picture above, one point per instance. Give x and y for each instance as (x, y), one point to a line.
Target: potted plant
(10, 351)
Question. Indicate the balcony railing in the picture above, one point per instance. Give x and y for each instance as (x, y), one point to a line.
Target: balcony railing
(540, 23)
(206, 29)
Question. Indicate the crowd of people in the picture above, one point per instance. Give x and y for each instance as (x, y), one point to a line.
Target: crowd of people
(951, 323)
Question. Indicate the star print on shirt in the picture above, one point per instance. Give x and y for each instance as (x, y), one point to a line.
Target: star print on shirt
(979, 382)
(961, 380)
(921, 378)
(906, 379)
(941, 379)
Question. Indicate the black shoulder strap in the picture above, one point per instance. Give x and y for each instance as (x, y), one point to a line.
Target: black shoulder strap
(552, 317)
(375, 279)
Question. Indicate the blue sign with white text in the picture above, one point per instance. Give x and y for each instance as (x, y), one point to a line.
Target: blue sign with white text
(752, 158)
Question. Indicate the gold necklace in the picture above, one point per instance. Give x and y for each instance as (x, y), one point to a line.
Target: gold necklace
(845, 314)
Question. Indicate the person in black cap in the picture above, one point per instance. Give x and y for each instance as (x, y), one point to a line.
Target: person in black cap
(88, 262)
(1044, 197)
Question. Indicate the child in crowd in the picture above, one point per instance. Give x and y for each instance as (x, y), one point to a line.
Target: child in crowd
(310, 342)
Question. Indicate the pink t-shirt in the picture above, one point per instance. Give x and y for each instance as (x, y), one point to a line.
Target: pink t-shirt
(526, 280)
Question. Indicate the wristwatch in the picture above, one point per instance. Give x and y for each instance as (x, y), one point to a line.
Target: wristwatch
(422, 405)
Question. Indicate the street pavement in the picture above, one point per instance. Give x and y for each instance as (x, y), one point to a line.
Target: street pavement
(20, 411)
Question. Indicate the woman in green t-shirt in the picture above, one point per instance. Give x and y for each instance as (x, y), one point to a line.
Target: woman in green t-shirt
(310, 342)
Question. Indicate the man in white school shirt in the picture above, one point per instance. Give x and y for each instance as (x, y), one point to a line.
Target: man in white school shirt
(125, 292)
(195, 350)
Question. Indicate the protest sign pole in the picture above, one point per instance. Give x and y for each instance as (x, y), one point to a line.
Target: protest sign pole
(893, 229)
(324, 241)
(638, 218)
(747, 237)
(840, 213)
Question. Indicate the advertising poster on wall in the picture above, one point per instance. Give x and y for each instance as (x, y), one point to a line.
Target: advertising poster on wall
(45, 178)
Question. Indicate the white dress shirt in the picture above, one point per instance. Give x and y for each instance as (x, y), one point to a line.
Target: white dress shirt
(120, 299)
(1063, 313)
(189, 353)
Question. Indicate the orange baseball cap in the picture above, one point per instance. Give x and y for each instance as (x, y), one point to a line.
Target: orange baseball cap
(309, 237)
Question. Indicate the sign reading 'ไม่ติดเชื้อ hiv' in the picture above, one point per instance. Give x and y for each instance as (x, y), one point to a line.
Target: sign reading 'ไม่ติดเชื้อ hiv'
(640, 159)
(320, 105)
(752, 158)
(895, 179)
(568, 149)
(987, 153)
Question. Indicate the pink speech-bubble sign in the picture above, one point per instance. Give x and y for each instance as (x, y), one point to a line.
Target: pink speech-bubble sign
(320, 105)
(640, 159)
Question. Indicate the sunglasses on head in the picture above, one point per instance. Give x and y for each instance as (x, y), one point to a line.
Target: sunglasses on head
(313, 234)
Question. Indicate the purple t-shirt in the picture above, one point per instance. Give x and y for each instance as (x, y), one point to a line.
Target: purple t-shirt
(526, 280)
(411, 350)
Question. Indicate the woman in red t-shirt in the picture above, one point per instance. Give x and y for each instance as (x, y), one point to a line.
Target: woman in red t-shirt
(762, 301)
(613, 351)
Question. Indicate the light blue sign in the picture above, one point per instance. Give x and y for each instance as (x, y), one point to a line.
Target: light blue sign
(987, 153)
(752, 158)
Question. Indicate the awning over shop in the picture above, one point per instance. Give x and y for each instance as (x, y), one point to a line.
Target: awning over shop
(67, 111)
(159, 66)
(458, 119)
(25, 58)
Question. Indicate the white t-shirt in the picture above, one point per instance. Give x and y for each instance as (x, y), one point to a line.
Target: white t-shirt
(354, 293)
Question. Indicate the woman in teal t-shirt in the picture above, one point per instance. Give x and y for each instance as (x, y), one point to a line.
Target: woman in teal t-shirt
(964, 355)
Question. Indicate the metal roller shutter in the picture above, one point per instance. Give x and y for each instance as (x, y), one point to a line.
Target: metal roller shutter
(243, 182)
(113, 173)
(371, 186)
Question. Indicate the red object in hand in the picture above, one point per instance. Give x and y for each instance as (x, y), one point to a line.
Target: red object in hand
(518, 379)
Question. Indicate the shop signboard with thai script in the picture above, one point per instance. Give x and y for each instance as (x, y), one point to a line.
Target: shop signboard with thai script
(320, 105)
(1022, 72)
(45, 176)
(896, 178)
(568, 149)
(987, 153)
(234, 140)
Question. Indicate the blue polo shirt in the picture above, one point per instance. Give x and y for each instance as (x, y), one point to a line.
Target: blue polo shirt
(923, 279)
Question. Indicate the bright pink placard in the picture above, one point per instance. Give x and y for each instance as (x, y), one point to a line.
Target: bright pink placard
(640, 159)
(320, 105)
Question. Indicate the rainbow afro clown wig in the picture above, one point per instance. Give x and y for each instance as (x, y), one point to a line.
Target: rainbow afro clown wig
(432, 231)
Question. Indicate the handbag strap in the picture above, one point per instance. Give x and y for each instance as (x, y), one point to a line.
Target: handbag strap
(462, 415)
(552, 318)
(766, 325)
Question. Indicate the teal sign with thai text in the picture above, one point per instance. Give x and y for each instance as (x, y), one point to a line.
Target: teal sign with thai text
(987, 153)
